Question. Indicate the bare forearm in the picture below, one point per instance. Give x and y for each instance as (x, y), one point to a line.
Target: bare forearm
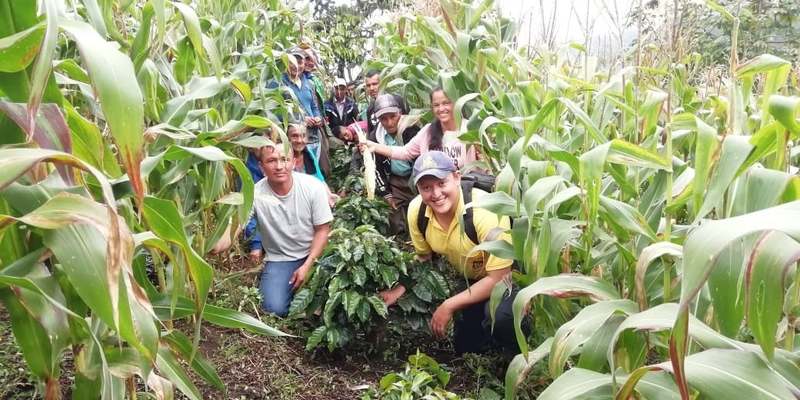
(318, 243)
(382, 149)
(480, 291)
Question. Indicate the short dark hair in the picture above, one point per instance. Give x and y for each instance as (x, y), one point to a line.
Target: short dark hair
(372, 72)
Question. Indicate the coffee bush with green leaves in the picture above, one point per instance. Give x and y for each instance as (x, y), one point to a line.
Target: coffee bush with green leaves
(340, 159)
(422, 378)
(342, 295)
(355, 210)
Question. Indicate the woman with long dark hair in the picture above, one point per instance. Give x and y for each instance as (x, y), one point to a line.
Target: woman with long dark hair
(441, 134)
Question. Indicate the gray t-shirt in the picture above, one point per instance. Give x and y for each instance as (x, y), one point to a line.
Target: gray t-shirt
(286, 223)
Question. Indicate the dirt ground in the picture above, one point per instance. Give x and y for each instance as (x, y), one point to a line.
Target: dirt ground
(259, 367)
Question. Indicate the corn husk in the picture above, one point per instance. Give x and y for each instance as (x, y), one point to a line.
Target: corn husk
(369, 165)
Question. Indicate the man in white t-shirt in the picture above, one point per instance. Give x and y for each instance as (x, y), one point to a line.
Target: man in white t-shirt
(293, 217)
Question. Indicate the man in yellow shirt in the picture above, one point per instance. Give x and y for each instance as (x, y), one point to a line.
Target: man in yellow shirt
(440, 203)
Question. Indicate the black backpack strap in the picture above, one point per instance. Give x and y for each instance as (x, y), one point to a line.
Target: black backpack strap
(469, 215)
(469, 219)
(422, 220)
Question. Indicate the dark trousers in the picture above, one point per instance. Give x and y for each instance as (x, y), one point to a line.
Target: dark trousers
(473, 328)
(402, 194)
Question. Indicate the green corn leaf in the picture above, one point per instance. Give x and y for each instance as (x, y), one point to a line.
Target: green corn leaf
(180, 344)
(114, 79)
(171, 368)
(579, 383)
(646, 258)
(760, 64)
(165, 220)
(521, 365)
(720, 374)
(561, 286)
(784, 109)
(18, 50)
(767, 270)
(576, 332)
(42, 67)
(192, 24)
(735, 150)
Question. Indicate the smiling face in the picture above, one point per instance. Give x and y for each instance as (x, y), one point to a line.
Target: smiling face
(442, 107)
(310, 61)
(441, 195)
(277, 167)
(297, 137)
(293, 70)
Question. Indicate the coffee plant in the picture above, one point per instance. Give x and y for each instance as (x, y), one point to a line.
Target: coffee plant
(340, 159)
(422, 378)
(355, 210)
(342, 296)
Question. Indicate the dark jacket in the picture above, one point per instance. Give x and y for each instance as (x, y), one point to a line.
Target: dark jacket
(383, 165)
(335, 120)
(372, 121)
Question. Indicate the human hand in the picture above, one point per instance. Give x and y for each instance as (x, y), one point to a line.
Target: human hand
(255, 256)
(364, 146)
(391, 296)
(332, 199)
(441, 318)
(299, 276)
(317, 121)
(392, 202)
(309, 122)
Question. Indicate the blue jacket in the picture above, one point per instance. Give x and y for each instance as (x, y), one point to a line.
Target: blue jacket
(305, 97)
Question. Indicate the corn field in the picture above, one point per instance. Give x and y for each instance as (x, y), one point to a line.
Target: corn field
(656, 221)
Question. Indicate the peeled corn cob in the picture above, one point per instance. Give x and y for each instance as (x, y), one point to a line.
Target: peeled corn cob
(369, 165)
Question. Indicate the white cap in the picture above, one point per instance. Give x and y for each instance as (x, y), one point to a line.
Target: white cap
(339, 82)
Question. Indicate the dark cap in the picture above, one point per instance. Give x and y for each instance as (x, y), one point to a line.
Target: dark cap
(433, 163)
(386, 103)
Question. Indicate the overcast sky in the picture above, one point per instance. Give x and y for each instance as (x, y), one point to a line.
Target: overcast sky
(570, 16)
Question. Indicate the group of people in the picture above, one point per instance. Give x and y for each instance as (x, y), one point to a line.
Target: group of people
(419, 173)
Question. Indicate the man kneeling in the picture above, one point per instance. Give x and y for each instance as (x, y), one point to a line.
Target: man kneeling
(293, 218)
(437, 211)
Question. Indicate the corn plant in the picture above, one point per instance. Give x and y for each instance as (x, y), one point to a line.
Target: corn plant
(660, 208)
(122, 125)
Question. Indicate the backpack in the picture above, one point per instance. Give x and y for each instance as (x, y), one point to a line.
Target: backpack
(469, 181)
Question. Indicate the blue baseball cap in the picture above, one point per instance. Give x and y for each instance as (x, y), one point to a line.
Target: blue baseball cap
(433, 163)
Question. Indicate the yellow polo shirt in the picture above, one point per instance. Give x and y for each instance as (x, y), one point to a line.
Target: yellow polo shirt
(454, 244)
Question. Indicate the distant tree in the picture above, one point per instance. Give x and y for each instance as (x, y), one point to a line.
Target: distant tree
(765, 26)
(346, 30)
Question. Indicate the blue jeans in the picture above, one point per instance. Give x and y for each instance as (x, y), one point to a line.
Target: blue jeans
(276, 292)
